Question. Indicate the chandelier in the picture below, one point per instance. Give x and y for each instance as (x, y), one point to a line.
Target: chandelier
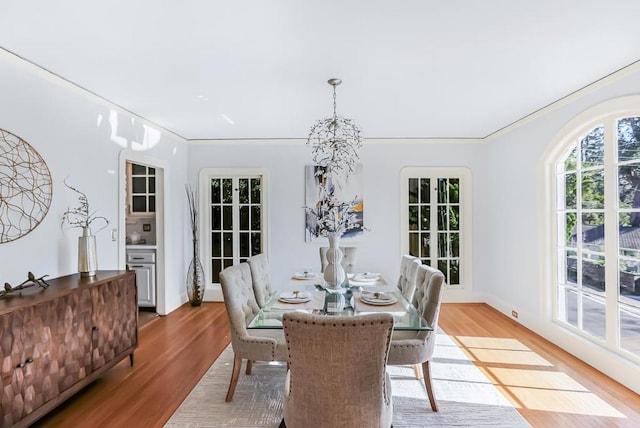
(335, 141)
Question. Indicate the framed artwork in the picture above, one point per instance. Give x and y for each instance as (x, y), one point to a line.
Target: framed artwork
(319, 187)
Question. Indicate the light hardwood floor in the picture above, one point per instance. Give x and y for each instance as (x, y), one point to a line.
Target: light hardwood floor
(549, 387)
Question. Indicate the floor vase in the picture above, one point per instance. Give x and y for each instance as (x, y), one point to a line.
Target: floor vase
(195, 279)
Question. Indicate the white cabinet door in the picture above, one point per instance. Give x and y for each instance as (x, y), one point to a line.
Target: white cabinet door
(146, 282)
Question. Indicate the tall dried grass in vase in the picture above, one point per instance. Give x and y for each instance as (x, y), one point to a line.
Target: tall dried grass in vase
(195, 274)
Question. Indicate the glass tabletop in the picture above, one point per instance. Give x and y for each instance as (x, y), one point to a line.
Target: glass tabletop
(405, 315)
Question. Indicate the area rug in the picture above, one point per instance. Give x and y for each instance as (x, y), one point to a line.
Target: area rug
(466, 398)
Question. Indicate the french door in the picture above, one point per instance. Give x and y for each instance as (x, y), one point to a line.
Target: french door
(234, 218)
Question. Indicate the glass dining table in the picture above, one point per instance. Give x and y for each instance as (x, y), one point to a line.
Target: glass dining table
(405, 315)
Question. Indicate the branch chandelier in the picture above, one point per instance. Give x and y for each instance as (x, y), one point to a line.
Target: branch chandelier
(335, 141)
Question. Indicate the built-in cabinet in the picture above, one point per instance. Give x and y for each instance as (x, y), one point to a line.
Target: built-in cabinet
(143, 262)
(55, 341)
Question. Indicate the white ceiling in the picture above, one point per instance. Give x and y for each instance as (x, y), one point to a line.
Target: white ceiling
(209, 69)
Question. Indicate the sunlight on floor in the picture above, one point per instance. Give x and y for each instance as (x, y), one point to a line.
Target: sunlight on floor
(507, 363)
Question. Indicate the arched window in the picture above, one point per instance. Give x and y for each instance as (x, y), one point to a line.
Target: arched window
(597, 234)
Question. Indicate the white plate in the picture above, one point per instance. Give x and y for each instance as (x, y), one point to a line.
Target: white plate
(378, 295)
(366, 277)
(378, 302)
(298, 300)
(308, 275)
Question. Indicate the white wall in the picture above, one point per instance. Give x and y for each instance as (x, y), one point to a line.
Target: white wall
(378, 250)
(517, 258)
(80, 137)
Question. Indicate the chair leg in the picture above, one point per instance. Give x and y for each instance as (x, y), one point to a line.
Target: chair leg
(249, 366)
(427, 382)
(235, 373)
(417, 368)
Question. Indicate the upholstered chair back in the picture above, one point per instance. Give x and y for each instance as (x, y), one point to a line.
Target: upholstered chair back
(337, 371)
(261, 278)
(407, 279)
(348, 258)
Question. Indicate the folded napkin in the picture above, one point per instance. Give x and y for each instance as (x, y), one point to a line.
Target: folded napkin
(316, 302)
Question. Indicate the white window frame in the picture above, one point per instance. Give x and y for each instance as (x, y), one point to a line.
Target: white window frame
(606, 114)
(465, 198)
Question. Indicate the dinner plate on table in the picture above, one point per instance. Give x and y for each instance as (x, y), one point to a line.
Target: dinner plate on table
(366, 277)
(378, 298)
(291, 297)
(305, 275)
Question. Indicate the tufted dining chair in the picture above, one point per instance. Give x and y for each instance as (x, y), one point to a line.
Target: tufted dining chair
(337, 371)
(261, 278)
(416, 348)
(407, 279)
(252, 345)
(348, 258)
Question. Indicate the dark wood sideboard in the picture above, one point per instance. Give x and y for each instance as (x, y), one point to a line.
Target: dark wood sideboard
(57, 340)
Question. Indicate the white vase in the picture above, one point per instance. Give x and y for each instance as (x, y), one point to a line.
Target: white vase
(87, 257)
(334, 274)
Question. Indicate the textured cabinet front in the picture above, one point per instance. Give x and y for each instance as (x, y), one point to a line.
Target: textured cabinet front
(55, 341)
(45, 350)
(115, 325)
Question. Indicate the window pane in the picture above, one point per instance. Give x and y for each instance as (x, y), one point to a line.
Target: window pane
(425, 191)
(414, 244)
(139, 204)
(571, 262)
(425, 217)
(413, 217)
(152, 185)
(227, 194)
(592, 148)
(256, 243)
(215, 191)
(255, 217)
(413, 190)
(629, 277)
(216, 244)
(629, 234)
(570, 161)
(442, 191)
(227, 248)
(593, 189)
(629, 186)
(455, 244)
(425, 250)
(570, 191)
(593, 273)
(569, 298)
(443, 251)
(243, 192)
(454, 218)
(227, 217)
(442, 217)
(570, 229)
(139, 185)
(256, 190)
(454, 190)
(630, 329)
(244, 244)
(152, 204)
(454, 278)
(244, 218)
(593, 316)
(138, 169)
(215, 218)
(442, 266)
(593, 231)
(216, 268)
(628, 135)
(152, 171)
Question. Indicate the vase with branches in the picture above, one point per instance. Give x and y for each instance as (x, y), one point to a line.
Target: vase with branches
(82, 217)
(195, 274)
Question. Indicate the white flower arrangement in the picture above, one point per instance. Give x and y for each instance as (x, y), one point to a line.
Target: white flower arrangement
(332, 216)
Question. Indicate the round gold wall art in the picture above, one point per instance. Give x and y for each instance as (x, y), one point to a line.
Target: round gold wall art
(25, 187)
